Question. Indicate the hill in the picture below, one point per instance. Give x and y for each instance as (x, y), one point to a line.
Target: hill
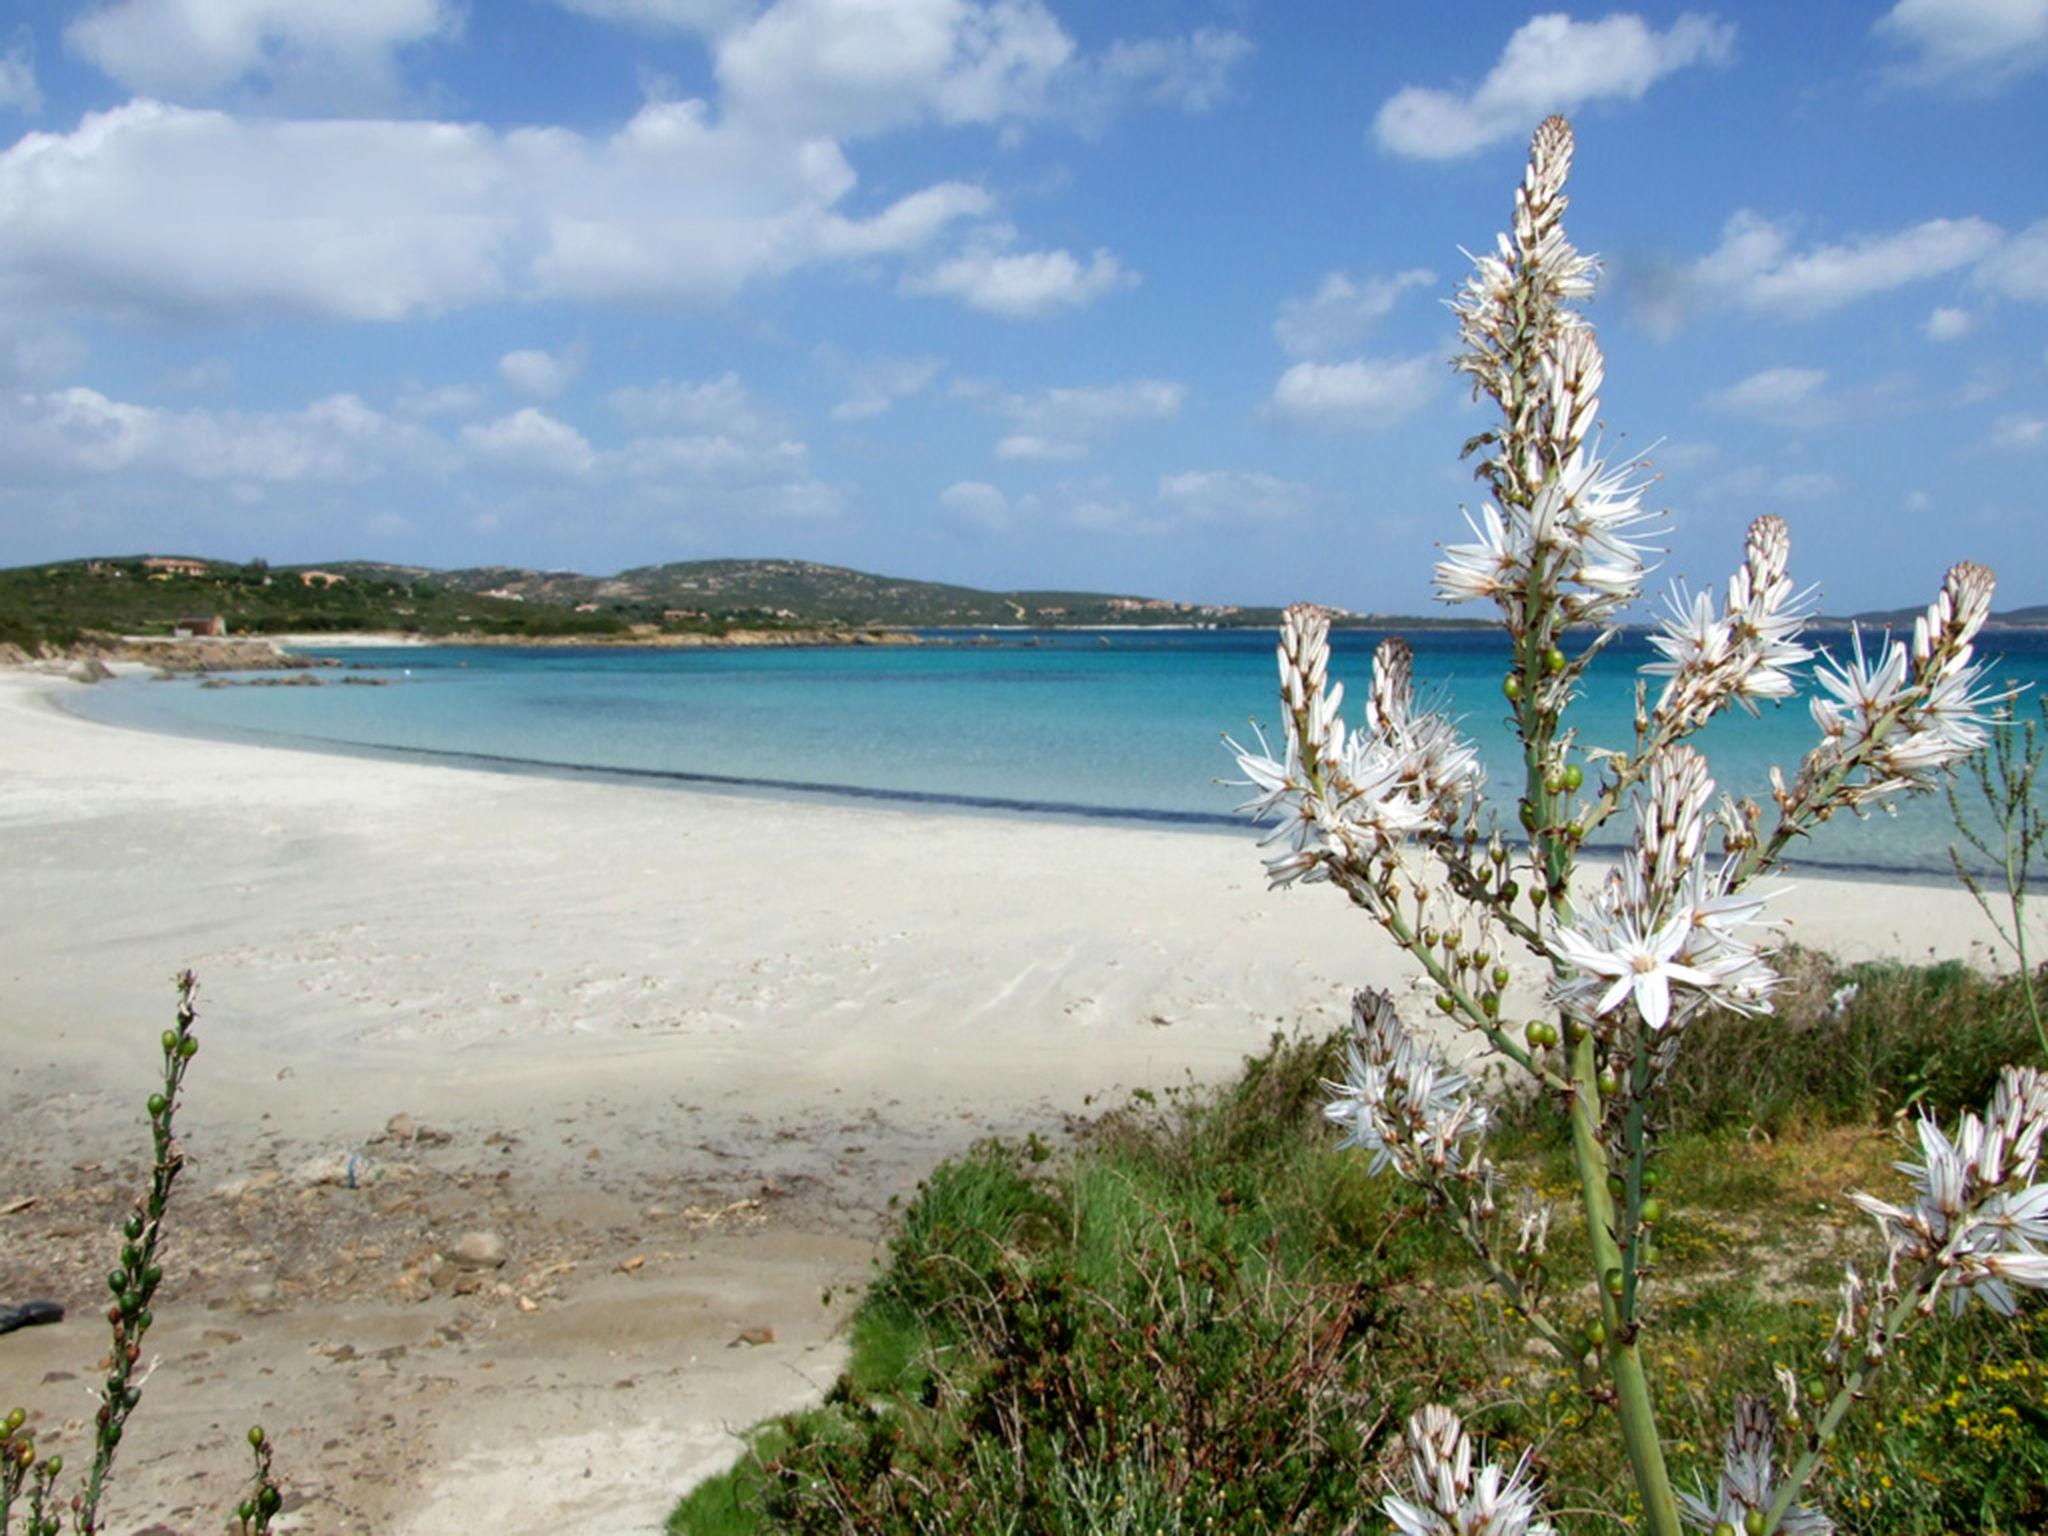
(151, 594)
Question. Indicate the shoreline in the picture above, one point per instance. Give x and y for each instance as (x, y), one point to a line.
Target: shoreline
(795, 791)
(685, 1048)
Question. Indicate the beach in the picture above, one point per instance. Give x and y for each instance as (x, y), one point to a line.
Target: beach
(675, 1052)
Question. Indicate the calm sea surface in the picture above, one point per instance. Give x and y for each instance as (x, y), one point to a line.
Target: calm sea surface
(1124, 724)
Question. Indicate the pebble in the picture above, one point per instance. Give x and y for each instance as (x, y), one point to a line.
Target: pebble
(479, 1250)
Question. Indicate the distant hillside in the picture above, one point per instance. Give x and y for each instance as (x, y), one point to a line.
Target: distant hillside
(151, 594)
(804, 592)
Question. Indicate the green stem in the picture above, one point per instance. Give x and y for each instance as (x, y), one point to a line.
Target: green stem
(1624, 1363)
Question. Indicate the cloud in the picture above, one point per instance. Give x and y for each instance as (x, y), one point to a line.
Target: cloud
(873, 387)
(35, 351)
(203, 377)
(723, 405)
(1366, 394)
(1190, 73)
(1811, 485)
(18, 89)
(78, 433)
(1944, 324)
(544, 374)
(1756, 268)
(531, 440)
(1024, 285)
(196, 47)
(1551, 64)
(662, 15)
(1975, 45)
(165, 212)
(850, 67)
(1233, 496)
(2020, 432)
(1063, 422)
(1341, 310)
(977, 502)
(1779, 396)
(2019, 268)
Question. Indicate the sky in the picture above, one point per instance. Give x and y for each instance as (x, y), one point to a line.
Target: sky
(1019, 293)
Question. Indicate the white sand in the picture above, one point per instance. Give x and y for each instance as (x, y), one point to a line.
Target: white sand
(710, 993)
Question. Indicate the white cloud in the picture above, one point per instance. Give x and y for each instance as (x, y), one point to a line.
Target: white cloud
(1365, 394)
(1756, 268)
(1945, 324)
(2019, 268)
(874, 386)
(1030, 447)
(2021, 432)
(1191, 73)
(165, 211)
(723, 405)
(1062, 422)
(1551, 64)
(18, 89)
(72, 433)
(531, 440)
(1809, 485)
(1233, 496)
(663, 15)
(188, 47)
(444, 400)
(977, 502)
(1024, 285)
(1341, 310)
(1782, 396)
(34, 351)
(856, 66)
(1977, 45)
(202, 377)
(543, 374)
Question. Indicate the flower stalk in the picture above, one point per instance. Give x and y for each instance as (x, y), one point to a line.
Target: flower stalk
(1391, 813)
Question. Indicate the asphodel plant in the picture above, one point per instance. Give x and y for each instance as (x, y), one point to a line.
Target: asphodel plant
(1390, 811)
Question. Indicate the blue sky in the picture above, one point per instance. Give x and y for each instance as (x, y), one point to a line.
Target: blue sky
(1011, 292)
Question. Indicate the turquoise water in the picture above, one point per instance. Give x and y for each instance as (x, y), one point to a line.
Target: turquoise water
(1120, 724)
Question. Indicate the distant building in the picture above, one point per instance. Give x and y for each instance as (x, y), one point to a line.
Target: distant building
(322, 579)
(505, 595)
(173, 565)
(206, 627)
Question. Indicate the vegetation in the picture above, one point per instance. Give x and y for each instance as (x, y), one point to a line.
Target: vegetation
(1208, 1317)
(32, 1483)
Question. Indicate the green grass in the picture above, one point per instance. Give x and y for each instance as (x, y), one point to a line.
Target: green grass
(1202, 1317)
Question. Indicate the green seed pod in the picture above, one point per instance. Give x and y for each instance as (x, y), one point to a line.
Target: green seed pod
(1574, 776)
(153, 1276)
(1511, 685)
(1446, 1002)
(1429, 938)
(14, 1420)
(56, 1465)
(269, 1500)
(1723, 1528)
(1610, 1084)
(255, 1434)
(1613, 1282)
(1653, 1211)
(1453, 939)
(143, 1319)
(130, 1256)
(1753, 1522)
(1534, 1034)
(1500, 975)
(170, 1039)
(1596, 1330)
(1489, 1003)
(117, 1280)
(245, 1511)
(133, 1228)
(189, 1047)
(1553, 781)
(1549, 1034)
(1553, 661)
(157, 1105)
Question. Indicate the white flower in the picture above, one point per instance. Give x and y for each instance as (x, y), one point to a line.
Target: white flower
(1749, 1480)
(1450, 1499)
(1400, 1100)
(1977, 1216)
(1624, 959)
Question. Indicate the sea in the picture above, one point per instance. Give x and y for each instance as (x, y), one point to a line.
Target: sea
(1122, 725)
